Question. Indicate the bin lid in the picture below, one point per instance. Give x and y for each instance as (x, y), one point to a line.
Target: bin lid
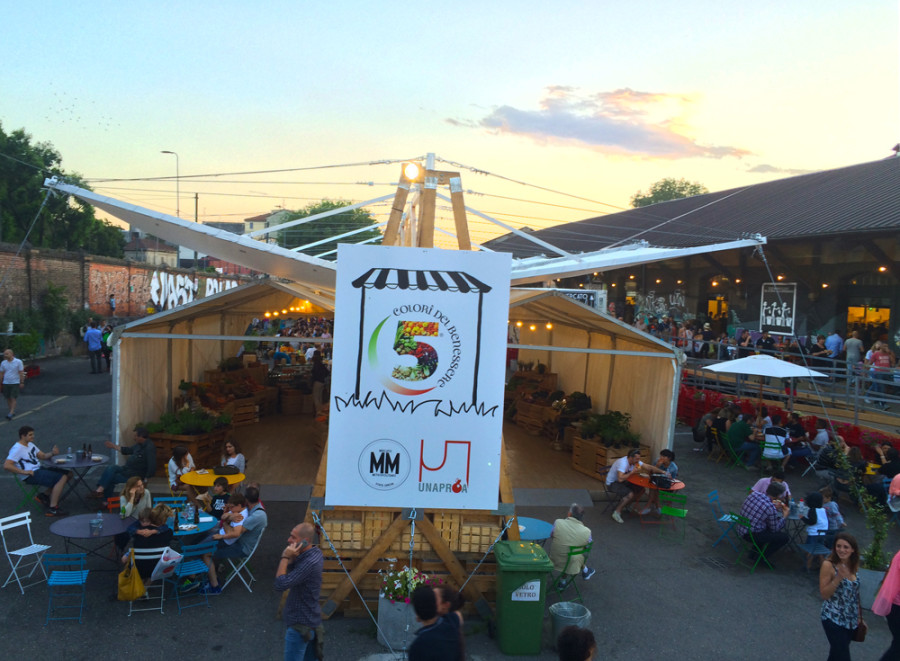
(521, 556)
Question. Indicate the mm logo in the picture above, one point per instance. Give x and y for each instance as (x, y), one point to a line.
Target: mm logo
(384, 464)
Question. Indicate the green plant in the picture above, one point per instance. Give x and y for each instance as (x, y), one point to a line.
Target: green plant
(230, 364)
(613, 428)
(54, 310)
(873, 556)
(187, 422)
(25, 346)
(398, 584)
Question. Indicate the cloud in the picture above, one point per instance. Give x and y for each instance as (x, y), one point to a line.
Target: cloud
(622, 121)
(765, 168)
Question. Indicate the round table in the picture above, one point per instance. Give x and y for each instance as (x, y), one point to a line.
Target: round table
(207, 523)
(197, 479)
(79, 467)
(533, 530)
(644, 482)
(79, 527)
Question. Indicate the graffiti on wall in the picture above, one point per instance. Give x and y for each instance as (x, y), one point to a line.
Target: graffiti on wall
(654, 305)
(169, 290)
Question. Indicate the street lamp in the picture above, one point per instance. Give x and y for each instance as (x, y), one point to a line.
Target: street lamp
(177, 183)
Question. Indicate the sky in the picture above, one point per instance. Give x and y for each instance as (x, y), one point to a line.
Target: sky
(569, 107)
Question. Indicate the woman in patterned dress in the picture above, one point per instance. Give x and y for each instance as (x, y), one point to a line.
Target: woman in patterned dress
(839, 587)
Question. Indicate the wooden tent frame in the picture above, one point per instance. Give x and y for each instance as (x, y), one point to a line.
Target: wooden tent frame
(364, 562)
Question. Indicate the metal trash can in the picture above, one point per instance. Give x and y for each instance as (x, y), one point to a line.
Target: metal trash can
(522, 569)
(566, 614)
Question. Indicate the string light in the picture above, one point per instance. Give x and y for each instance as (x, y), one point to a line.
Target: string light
(549, 326)
(532, 327)
(519, 324)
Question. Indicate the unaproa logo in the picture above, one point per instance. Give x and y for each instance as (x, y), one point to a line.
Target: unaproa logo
(458, 467)
(420, 359)
(384, 464)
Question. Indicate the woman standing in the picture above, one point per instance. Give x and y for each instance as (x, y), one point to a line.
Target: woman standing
(887, 603)
(839, 587)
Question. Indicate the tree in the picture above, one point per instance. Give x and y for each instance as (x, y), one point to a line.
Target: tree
(324, 228)
(64, 223)
(667, 189)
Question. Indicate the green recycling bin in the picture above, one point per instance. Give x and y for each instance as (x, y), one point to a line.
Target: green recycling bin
(522, 569)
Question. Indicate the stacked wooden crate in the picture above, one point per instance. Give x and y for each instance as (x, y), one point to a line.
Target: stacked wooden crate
(246, 412)
(590, 457)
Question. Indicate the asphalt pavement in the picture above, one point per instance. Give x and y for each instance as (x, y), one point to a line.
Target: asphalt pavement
(651, 598)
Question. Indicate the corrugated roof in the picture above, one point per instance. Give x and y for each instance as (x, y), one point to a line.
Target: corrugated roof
(857, 198)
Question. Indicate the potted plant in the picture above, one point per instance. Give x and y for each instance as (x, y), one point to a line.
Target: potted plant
(396, 620)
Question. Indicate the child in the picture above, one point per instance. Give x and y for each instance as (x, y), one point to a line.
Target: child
(816, 521)
(666, 462)
(835, 518)
(216, 497)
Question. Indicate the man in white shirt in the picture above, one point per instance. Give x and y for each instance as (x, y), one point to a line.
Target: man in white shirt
(13, 380)
(24, 461)
(617, 480)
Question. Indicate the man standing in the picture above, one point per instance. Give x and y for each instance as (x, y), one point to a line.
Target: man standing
(94, 339)
(112, 305)
(766, 343)
(300, 572)
(13, 380)
(745, 344)
(437, 639)
(766, 513)
(566, 533)
(24, 461)
(854, 348)
(618, 484)
(141, 461)
(835, 344)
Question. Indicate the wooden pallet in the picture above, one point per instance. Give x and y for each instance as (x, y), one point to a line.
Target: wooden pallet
(590, 457)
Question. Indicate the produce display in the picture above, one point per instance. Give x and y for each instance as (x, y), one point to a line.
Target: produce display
(406, 345)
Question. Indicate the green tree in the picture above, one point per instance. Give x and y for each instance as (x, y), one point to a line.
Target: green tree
(324, 228)
(65, 223)
(667, 189)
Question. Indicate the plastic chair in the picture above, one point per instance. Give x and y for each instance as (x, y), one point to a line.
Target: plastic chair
(670, 512)
(158, 586)
(66, 584)
(560, 582)
(724, 521)
(750, 547)
(29, 493)
(238, 570)
(17, 556)
(191, 564)
(113, 504)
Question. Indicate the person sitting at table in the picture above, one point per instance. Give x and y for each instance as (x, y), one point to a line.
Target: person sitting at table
(816, 521)
(567, 533)
(836, 521)
(772, 435)
(777, 476)
(798, 440)
(24, 461)
(742, 439)
(230, 530)
(890, 467)
(232, 456)
(766, 514)
(666, 462)
(216, 498)
(141, 461)
(248, 533)
(181, 462)
(135, 498)
(150, 531)
(618, 484)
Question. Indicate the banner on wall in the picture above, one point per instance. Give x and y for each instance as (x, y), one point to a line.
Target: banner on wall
(778, 308)
(416, 403)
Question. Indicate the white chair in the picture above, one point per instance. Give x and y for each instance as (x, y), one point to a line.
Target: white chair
(17, 556)
(143, 604)
(241, 567)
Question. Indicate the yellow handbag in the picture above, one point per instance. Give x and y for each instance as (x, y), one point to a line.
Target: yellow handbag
(131, 587)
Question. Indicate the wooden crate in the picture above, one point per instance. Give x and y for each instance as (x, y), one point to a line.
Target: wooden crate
(477, 537)
(344, 533)
(448, 524)
(537, 418)
(374, 524)
(294, 402)
(590, 457)
(206, 449)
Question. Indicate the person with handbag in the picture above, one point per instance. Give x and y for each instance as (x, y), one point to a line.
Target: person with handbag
(887, 604)
(839, 587)
(667, 463)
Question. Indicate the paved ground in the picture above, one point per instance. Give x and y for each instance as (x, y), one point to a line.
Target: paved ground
(650, 598)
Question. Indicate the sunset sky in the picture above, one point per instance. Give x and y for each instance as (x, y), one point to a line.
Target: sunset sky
(595, 100)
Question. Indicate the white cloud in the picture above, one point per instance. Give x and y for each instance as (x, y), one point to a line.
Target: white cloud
(622, 121)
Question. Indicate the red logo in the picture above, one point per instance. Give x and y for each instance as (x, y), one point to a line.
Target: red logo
(461, 456)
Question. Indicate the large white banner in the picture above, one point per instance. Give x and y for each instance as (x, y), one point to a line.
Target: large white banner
(417, 378)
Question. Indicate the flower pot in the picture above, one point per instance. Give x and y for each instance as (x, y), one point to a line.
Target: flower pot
(396, 623)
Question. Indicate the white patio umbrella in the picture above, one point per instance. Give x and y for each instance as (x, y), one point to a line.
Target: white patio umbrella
(765, 365)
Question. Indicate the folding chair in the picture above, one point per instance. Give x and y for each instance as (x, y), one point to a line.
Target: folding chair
(772, 451)
(17, 556)
(66, 584)
(175, 502)
(191, 564)
(671, 507)
(242, 566)
(29, 493)
(560, 582)
(724, 521)
(814, 546)
(812, 460)
(113, 504)
(750, 547)
(158, 586)
(719, 448)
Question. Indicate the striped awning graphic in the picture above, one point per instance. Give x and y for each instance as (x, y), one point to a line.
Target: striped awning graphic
(388, 278)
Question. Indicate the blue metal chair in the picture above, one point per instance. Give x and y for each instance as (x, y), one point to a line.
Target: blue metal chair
(191, 565)
(65, 584)
(724, 521)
